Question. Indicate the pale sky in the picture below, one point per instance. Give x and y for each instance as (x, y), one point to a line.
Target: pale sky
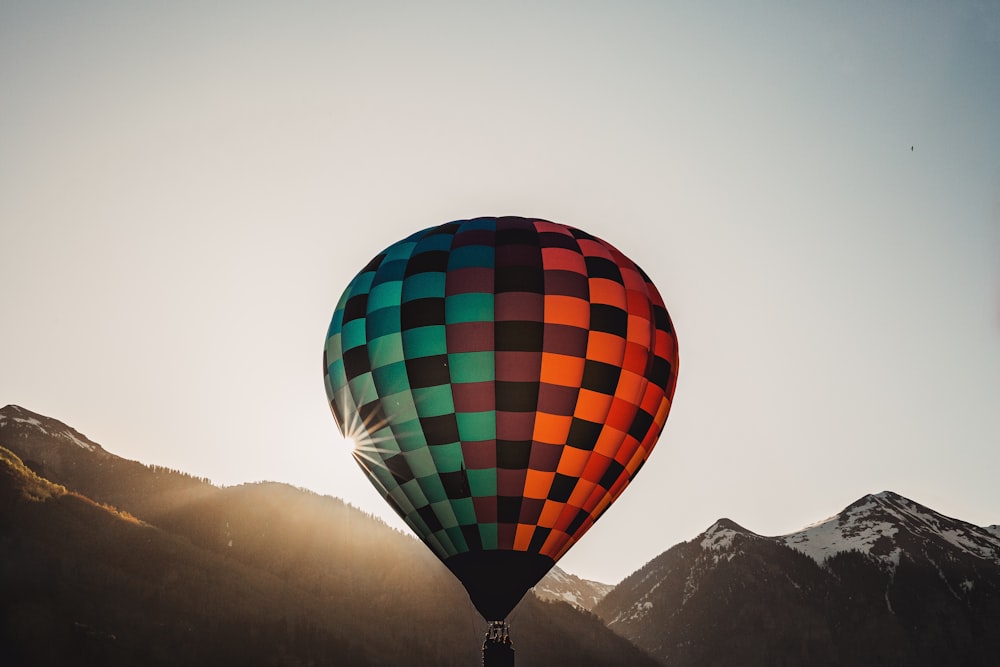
(185, 192)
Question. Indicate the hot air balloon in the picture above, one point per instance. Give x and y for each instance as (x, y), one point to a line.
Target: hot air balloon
(503, 380)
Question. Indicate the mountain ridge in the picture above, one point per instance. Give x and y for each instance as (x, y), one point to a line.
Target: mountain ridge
(871, 525)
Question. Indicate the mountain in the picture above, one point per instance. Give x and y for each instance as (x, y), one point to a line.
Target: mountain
(64, 455)
(560, 585)
(26, 423)
(886, 526)
(884, 582)
(106, 561)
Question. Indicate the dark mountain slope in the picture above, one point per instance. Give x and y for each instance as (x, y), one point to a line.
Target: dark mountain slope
(84, 584)
(685, 604)
(255, 574)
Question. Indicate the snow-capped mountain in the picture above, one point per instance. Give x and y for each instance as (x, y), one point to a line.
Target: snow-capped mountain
(65, 456)
(60, 453)
(885, 581)
(560, 585)
(886, 525)
(16, 422)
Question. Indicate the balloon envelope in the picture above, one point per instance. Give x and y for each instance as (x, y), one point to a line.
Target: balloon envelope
(503, 380)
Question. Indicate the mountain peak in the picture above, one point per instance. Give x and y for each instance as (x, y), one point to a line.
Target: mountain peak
(884, 525)
(26, 422)
(720, 534)
(882, 499)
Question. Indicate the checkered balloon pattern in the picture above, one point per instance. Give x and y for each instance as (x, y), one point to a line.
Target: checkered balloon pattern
(503, 380)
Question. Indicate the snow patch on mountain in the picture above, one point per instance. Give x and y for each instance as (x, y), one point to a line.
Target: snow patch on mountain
(719, 537)
(13, 413)
(31, 421)
(636, 612)
(832, 536)
(68, 435)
